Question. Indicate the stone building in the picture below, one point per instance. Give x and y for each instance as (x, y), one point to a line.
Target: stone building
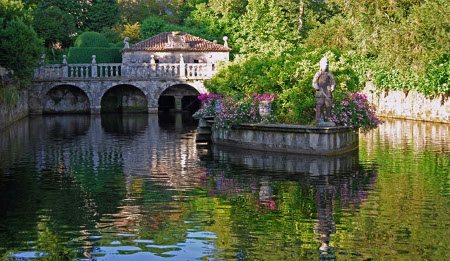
(171, 47)
(166, 71)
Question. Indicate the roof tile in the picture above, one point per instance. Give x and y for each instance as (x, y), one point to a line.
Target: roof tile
(177, 41)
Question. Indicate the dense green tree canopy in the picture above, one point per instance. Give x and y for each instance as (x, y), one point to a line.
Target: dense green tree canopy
(20, 47)
(54, 25)
(402, 43)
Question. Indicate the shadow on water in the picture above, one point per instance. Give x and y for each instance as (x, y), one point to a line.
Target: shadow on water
(63, 126)
(124, 124)
(177, 121)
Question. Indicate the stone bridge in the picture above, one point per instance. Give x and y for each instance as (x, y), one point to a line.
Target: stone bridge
(95, 88)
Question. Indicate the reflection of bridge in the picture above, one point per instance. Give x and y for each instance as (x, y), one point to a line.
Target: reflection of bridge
(164, 71)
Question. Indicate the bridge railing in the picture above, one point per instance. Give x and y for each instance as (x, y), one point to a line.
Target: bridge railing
(117, 71)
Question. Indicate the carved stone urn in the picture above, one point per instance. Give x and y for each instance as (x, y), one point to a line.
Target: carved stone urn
(265, 108)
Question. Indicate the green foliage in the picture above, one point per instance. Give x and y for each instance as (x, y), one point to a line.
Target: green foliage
(112, 35)
(54, 25)
(132, 31)
(405, 41)
(20, 49)
(9, 96)
(77, 9)
(84, 55)
(289, 76)
(116, 55)
(102, 13)
(152, 26)
(264, 29)
(10, 10)
(91, 39)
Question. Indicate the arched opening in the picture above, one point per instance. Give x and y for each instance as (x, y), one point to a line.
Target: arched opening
(179, 97)
(65, 99)
(124, 99)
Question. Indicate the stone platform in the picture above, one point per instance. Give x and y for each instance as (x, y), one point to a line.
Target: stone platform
(289, 138)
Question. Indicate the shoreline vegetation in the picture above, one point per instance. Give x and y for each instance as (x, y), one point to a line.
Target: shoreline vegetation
(398, 45)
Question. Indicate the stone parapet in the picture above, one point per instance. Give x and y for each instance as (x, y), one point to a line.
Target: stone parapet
(289, 138)
(409, 105)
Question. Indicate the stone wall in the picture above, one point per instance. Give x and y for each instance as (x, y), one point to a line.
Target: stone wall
(409, 105)
(140, 57)
(289, 138)
(12, 112)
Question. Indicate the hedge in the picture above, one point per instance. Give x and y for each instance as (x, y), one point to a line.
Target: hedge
(84, 55)
(91, 39)
(103, 55)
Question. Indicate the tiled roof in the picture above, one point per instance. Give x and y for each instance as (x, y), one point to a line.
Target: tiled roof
(177, 41)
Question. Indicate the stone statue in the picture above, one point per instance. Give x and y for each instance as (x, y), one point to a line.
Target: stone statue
(324, 84)
(126, 42)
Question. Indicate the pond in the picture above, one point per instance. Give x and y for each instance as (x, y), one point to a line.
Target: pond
(137, 187)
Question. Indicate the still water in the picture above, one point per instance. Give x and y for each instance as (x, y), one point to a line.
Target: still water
(136, 187)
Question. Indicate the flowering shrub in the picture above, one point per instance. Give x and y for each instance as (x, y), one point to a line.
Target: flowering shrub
(264, 97)
(354, 110)
(208, 102)
(235, 112)
(231, 111)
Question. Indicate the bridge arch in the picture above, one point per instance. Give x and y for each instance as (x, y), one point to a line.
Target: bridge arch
(66, 98)
(179, 97)
(124, 98)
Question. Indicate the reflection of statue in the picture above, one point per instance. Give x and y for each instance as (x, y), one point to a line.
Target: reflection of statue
(324, 84)
(325, 225)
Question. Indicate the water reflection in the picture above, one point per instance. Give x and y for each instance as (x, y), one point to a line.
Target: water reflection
(124, 124)
(136, 187)
(325, 185)
(412, 136)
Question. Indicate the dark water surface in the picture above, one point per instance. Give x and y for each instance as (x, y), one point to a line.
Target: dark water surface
(136, 187)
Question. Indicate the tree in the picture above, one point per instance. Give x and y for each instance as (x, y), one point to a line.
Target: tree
(54, 26)
(132, 31)
(76, 8)
(102, 13)
(152, 26)
(10, 10)
(20, 48)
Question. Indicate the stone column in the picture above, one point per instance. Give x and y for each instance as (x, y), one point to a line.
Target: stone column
(178, 105)
(94, 67)
(65, 69)
(182, 67)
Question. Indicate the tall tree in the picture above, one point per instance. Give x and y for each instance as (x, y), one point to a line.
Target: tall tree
(102, 13)
(54, 26)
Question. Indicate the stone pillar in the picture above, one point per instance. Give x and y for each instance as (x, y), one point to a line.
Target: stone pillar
(182, 67)
(209, 72)
(178, 105)
(94, 66)
(65, 69)
(153, 66)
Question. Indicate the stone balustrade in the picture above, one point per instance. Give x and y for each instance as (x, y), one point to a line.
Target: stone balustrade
(194, 71)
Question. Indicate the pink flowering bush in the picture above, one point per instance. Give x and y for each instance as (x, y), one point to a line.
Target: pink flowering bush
(354, 110)
(229, 111)
(235, 111)
(208, 104)
(264, 97)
